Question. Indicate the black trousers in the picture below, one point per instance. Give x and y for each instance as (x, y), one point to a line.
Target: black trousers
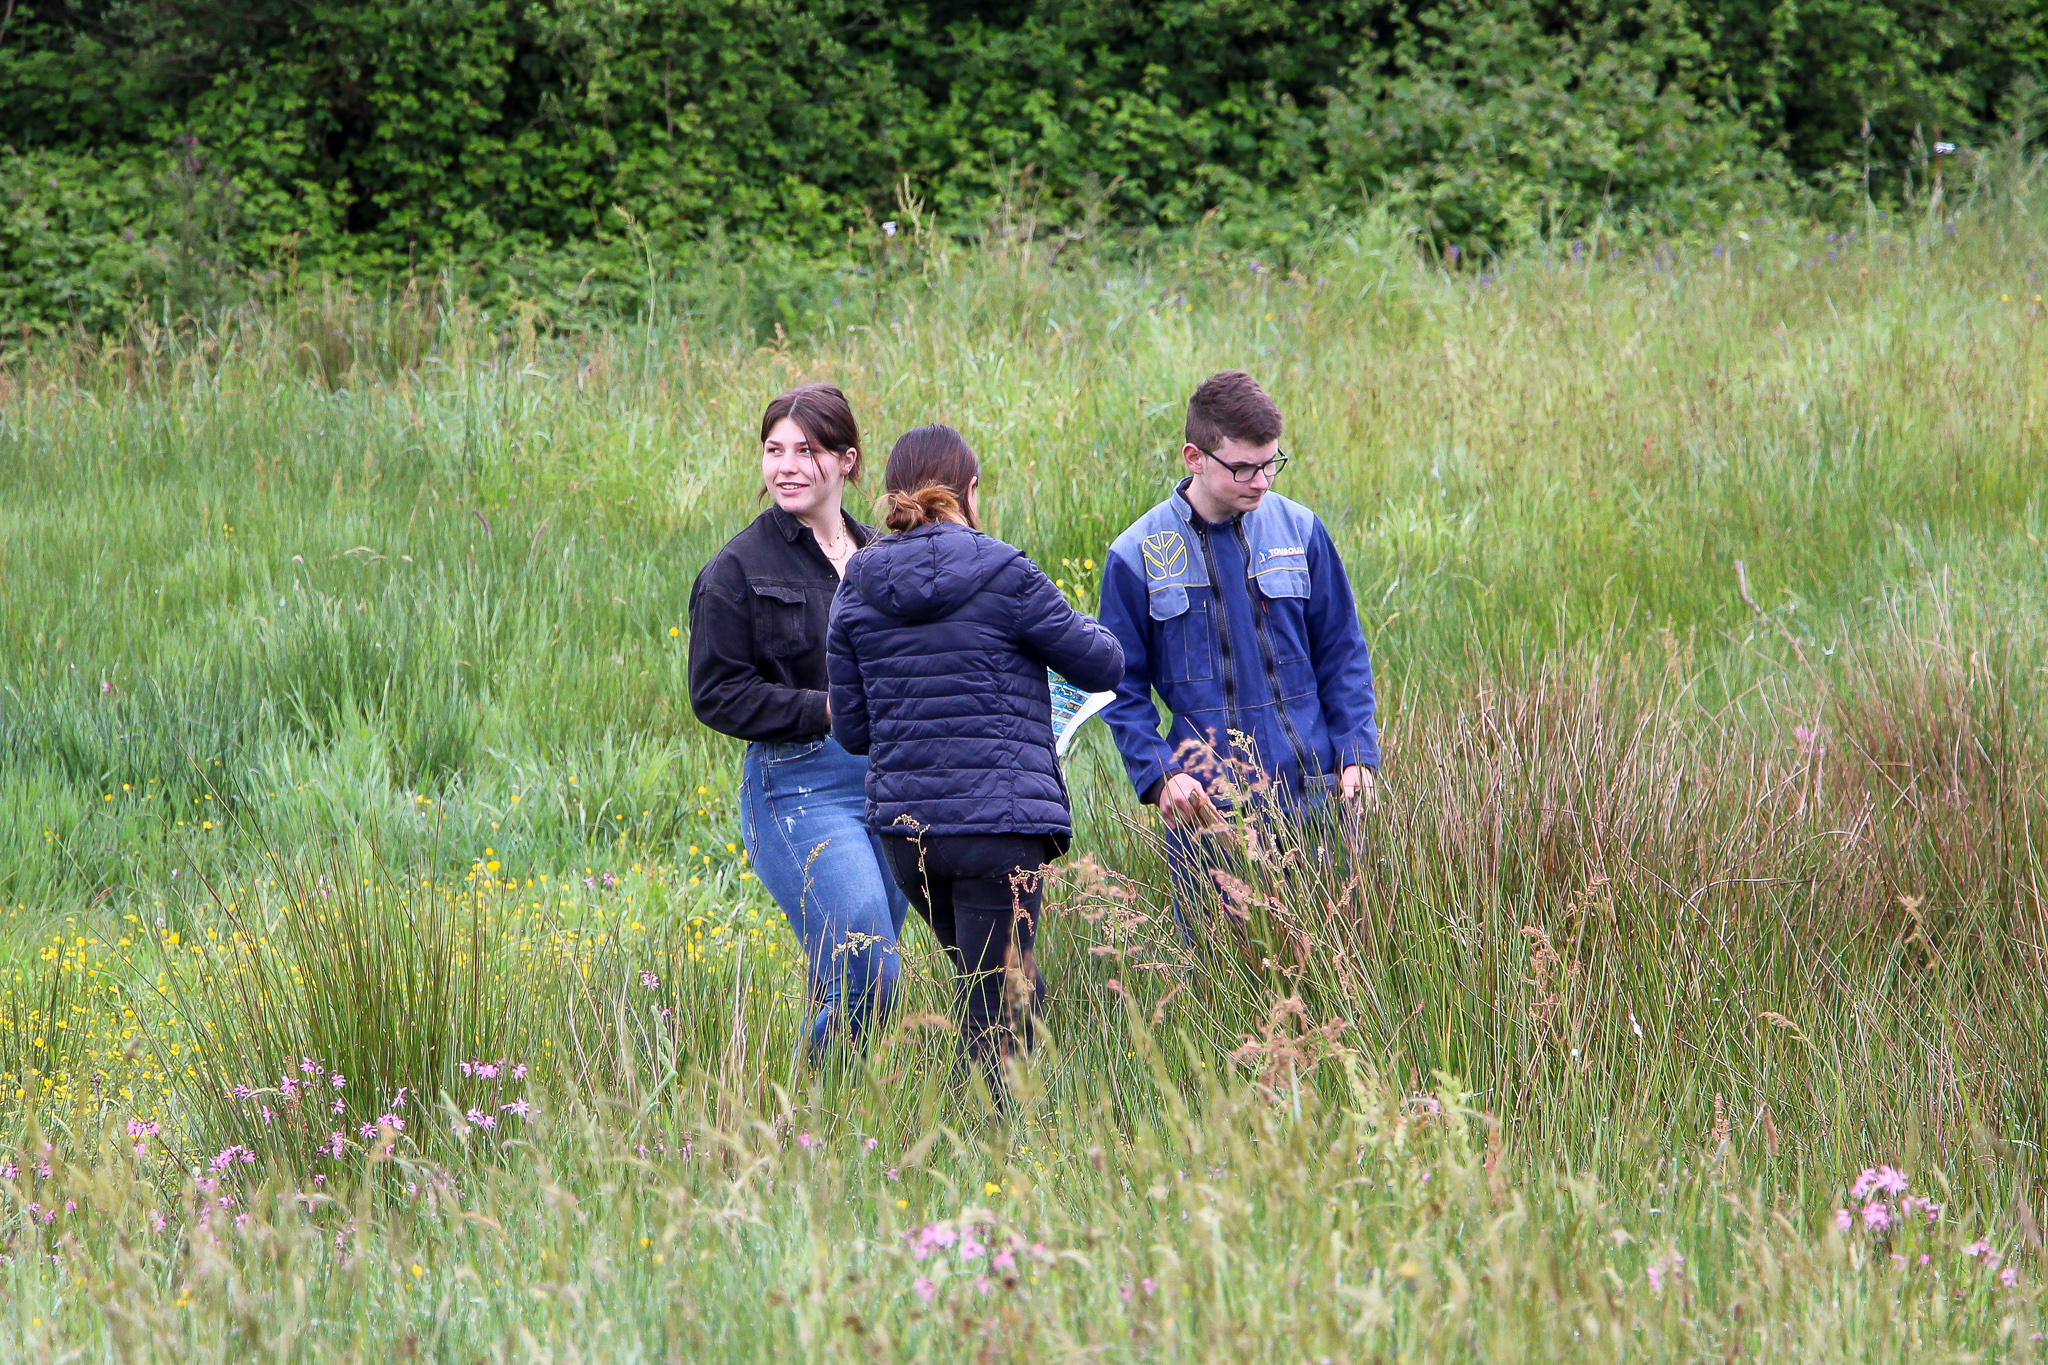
(982, 895)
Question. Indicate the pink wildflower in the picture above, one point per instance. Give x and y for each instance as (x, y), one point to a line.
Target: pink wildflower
(1844, 1219)
(805, 1141)
(519, 1071)
(1879, 1180)
(2008, 1277)
(981, 1283)
(1876, 1216)
(649, 980)
(518, 1109)
(925, 1289)
(1149, 1285)
(971, 1250)
(870, 1144)
(1977, 1248)
(337, 1080)
(1003, 1260)
(1668, 1264)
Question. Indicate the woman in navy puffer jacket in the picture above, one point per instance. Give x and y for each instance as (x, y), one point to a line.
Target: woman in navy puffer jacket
(937, 656)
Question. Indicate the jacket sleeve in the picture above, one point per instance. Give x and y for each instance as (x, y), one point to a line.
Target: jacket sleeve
(1063, 639)
(1343, 666)
(1132, 718)
(727, 690)
(849, 690)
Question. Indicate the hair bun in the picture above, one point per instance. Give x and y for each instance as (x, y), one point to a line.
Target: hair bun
(908, 511)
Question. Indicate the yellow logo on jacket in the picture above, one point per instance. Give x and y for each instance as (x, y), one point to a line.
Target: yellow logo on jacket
(1165, 553)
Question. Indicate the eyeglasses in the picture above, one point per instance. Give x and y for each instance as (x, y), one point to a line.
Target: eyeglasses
(1245, 473)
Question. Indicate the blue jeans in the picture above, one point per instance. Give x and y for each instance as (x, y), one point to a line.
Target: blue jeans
(803, 808)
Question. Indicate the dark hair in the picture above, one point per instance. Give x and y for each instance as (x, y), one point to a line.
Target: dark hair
(824, 416)
(1231, 404)
(930, 469)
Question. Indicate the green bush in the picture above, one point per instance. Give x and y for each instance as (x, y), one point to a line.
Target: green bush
(179, 151)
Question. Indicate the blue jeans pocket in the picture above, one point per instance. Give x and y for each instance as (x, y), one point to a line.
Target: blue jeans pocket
(791, 751)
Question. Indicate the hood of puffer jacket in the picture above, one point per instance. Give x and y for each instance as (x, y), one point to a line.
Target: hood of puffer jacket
(927, 573)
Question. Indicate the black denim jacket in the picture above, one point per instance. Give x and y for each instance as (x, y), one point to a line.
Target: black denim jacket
(758, 613)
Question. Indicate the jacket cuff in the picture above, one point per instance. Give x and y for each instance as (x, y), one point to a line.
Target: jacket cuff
(812, 716)
(1151, 778)
(1362, 750)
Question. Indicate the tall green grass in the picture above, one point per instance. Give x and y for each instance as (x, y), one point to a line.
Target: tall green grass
(343, 723)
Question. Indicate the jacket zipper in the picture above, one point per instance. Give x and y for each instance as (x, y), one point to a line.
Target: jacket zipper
(1230, 725)
(1260, 628)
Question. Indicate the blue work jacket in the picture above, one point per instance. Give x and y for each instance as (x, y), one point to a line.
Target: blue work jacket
(1248, 632)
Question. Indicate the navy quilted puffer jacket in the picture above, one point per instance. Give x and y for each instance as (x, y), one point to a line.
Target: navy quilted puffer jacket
(937, 653)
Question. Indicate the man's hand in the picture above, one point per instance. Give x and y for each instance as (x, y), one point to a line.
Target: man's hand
(1355, 783)
(1184, 802)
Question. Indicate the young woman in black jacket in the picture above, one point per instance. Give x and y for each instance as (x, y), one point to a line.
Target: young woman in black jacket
(940, 641)
(757, 672)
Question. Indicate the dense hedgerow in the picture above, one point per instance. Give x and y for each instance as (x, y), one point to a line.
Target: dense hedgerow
(187, 151)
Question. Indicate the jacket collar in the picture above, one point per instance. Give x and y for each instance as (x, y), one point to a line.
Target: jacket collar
(1185, 510)
(791, 528)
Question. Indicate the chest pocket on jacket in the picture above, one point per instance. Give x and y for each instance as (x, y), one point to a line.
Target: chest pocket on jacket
(1185, 647)
(1286, 609)
(780, 627)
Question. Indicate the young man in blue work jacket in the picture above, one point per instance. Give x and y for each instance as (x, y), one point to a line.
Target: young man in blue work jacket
(1231, 603)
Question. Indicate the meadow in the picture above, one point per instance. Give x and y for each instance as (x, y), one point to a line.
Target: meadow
(382, 979)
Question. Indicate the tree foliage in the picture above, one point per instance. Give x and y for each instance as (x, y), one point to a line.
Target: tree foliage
(154, 145)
